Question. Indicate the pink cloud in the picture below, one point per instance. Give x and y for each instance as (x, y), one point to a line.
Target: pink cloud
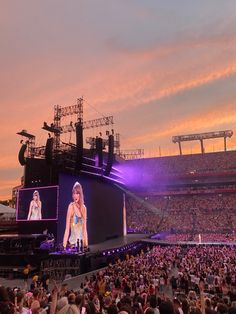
(209, 120)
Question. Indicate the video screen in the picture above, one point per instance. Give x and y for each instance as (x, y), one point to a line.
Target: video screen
(38, 203)
(74, 202)
(89, 210)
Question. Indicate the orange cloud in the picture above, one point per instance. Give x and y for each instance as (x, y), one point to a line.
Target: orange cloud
(208, 120)
(203, 80)
(8, 161)
(149, 87)
(6, 188)
(122, 81)
(184, 45)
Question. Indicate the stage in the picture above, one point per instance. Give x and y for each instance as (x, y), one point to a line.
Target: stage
(117, 242)
(16, 251)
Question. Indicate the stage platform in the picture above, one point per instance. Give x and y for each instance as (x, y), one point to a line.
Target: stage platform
(117, 242)
(18, 250)
(11, 240)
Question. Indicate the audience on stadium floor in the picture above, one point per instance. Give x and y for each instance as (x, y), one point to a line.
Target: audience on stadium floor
(170, 279)
(200, 238)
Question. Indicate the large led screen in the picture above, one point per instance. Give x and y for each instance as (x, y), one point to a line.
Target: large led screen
(89, 210)
(36, 204)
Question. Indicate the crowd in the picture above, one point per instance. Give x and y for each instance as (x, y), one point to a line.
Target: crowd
(200, 238)
(165, 280)
(185, 164)
(200, 213)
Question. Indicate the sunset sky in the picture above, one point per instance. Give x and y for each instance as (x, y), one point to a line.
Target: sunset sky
(160, 67)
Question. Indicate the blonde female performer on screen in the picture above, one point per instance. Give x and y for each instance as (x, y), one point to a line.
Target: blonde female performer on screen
(35, 207)
(76, 219)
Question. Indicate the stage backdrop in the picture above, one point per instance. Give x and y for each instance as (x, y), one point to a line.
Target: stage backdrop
(104, 203)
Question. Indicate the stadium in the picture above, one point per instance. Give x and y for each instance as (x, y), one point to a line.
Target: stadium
(123, 200)
(137, 228)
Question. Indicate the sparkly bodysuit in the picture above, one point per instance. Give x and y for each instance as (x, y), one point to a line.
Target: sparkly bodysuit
(35, 212)
(76, 228)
